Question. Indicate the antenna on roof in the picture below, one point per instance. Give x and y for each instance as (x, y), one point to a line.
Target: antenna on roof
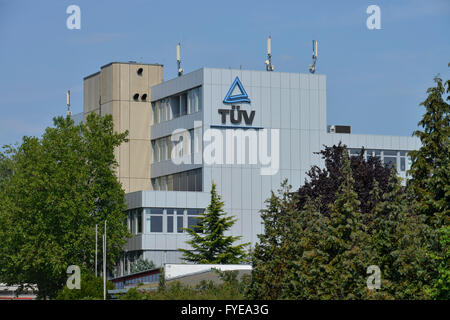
(312, 67)
(180, 70)
(269, 66)
(69, 113)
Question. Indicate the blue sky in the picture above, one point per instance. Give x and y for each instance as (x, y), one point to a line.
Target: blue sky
(375, 78)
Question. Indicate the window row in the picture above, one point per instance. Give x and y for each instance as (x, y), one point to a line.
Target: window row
(177, 145)
(190, 180)
(178, 105)
(158, 220)
(390, 158)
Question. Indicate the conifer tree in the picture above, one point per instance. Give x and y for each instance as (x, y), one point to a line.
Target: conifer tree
(430, 168)
(399, 240)
(208, 239)
(275, 250)
(344, 243)
(430, 178)
(328, 258)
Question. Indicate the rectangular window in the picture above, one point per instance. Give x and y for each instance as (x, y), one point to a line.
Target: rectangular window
(183, 109)
(139, 220)
(193, 222)
(170, 183)
(130, 221)
(170, 220)
(183, 181)
(154, 220)
(198, 180)
(156, 151)
(402, 164)
(390, 161)
(191, 181)
(180, 224)
(169, 148)
(155, 107)
(184, 103)
(170, 224)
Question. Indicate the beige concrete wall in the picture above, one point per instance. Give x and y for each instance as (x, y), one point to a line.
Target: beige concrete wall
(91, 96)
(115, 86)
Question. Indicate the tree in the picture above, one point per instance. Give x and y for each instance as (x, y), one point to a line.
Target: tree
(430, 178)
(399, 243)
(61, 186)
(441, 287)
(331, 251)
(91, 288)
(312, 253)
(324, 183)
(274, 250)
(430, 168)
(208, 239)
(142, 265)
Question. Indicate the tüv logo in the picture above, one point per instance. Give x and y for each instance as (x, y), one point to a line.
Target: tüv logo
(235, 114)
(242, 97)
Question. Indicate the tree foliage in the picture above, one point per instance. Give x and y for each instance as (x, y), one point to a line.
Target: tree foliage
(355, 213)
(208, 240)
(311, 253)
(91, 288)
(324, 182)
(430, 178)
(141, 265)
(61, 185)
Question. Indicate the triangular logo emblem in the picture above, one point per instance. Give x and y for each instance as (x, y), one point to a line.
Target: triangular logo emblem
(242, 97)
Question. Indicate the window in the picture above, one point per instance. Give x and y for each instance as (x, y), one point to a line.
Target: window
(180, 216)
(139, 220)
(170, 214)
(402, 164)
(192, 218)
(158, 220)
(178, 105)
(154, 220)
(183, 181)
(170, 183)
(390, 161)
(155, 109)
(130, 221)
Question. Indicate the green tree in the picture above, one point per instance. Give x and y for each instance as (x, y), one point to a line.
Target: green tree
(332, 250)
(141, 265)
(208, 239)
(430, 178)
(430, 168)
(274, 251)
(441, 287)
(61, 186)
(399, 242)
(91, 288)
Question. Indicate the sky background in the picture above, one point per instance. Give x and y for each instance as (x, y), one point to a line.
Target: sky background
(376, 79)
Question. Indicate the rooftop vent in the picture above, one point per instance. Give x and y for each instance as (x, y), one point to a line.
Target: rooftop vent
(339, 129)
